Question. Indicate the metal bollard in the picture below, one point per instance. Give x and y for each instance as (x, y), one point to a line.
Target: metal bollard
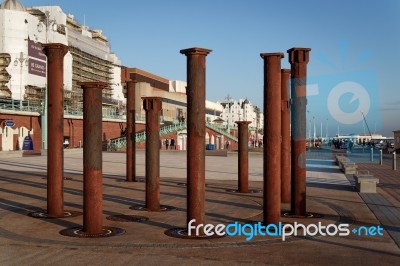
(380, 157)
(372, 154)
(394, 161)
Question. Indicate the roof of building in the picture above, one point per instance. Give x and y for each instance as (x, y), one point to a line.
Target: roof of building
(218, 120)
(139, 75)
(13, 5)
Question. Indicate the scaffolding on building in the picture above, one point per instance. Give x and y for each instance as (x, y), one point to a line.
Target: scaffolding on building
(88, 64)
(86, 67)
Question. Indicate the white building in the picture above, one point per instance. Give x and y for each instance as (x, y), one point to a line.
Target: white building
(24, 77)
(241, 110)
(213, 110)
(177, 86)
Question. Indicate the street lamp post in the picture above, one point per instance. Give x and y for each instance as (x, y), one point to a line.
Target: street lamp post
(309, 130)
(229, 117)
(47, 22)
(20, 60)
(314, 134)
(326, 129)
(321, 132)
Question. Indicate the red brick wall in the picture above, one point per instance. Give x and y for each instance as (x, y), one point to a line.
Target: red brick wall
(73, 128)
(142, 145)
(140, 127)
(233, 144)
(30, 122)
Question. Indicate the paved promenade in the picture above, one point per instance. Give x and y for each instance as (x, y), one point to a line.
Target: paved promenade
(29, 241)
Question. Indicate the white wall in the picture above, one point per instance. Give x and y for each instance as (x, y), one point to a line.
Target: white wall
(7, 139)
(116, 84)
(17, 26)
(14, 34)
(177, 86)
(237, 113)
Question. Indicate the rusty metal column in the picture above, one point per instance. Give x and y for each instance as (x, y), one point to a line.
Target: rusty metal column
(152, 106)
(130, 132)
(243, 156)
(55, 120)
(285, 156)
(196, 128)
(92, 157)
(272, 137)
(298, 58)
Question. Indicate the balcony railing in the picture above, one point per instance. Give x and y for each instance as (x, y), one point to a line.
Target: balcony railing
(37, 106)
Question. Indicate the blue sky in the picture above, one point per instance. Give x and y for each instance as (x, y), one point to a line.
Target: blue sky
(345, 37)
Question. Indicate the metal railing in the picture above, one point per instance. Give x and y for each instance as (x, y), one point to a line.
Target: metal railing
(17, 105)
(221, 131)
(35, 106)
(118, 143)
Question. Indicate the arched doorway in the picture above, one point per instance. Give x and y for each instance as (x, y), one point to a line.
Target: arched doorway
(7, 139)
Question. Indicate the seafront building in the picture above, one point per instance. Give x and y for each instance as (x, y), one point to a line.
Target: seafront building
(90, 58)
(23, 72)
(396, 134)
(23, 78)
(241, 110)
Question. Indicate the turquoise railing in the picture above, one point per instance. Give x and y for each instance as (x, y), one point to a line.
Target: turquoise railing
(118, 143)
(16, 105)
(35, 106)
(221, 131)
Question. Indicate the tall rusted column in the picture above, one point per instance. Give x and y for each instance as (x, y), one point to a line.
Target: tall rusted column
(272, 137)
(298, 58)
(285, 150)
(196, 128)
(55, 120)
(130, 132)
(92, 157)
(152, 106)
(243, 156)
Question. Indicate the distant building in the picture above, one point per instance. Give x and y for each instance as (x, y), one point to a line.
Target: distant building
(396, 135)
(23, 67)
(241, 110)
(177, 86)
(23, 78)
(23, 74)
(174, 108)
